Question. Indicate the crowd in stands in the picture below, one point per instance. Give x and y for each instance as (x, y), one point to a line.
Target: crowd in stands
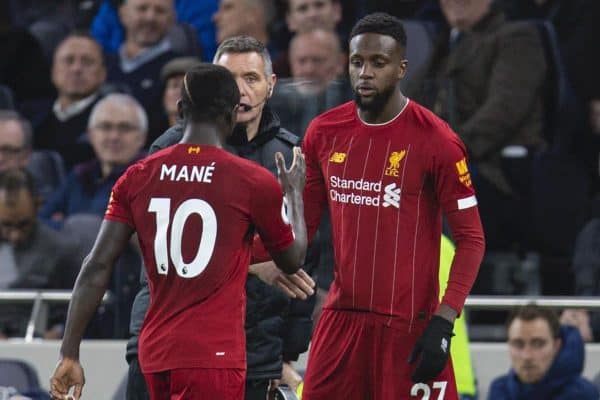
(87, 86)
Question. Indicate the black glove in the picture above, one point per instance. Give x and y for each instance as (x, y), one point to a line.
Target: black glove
(433, 347)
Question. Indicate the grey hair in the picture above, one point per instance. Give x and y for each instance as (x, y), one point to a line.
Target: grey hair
(245, 44)
(10, 115)
(124, 100)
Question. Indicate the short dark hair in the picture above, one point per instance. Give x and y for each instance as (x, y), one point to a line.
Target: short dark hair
(15, 179)
(82, 34)
(245, 44)
(209, 91)
(382, 24)
(529, 312)
(10, 115)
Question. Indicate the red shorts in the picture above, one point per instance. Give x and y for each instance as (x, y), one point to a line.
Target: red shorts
(197, 384)
(355, 356)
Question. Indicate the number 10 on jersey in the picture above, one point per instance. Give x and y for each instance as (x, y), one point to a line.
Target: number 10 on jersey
(162, 251)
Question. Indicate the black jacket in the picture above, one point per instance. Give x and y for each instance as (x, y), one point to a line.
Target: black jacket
(277, 328)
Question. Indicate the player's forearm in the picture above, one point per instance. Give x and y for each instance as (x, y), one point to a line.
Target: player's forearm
(292, 258)
(470, 246)
(296, 218)
(88, 291)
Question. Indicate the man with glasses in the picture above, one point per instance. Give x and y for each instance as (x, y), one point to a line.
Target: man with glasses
(117, 132)
(15, 140)
(32, 256)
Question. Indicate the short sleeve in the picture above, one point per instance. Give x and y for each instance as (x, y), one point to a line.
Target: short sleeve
(119, 208)
(452, 179)
(268, 214)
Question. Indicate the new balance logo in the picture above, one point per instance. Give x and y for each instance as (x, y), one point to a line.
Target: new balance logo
(444, 345)
(338, 157)
(391, 196)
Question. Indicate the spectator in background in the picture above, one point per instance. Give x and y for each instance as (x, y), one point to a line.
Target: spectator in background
(586, 269)
(117, 132)
(318, 81)
(245, 17)
(316, 57)
(107, 28)
(145, 50)
(78, 72)
(546, 359)
(485, 78)
(15, 140)
(172, 75)
(32, 256)
(304, 16)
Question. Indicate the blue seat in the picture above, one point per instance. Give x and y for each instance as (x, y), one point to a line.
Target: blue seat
(18, 374)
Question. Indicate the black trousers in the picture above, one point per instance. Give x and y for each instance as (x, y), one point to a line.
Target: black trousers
(136, 384)
(257, 389)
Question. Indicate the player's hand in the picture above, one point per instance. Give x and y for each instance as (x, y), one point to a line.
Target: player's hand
(432, 350)
(290, 377)
(580, 319)
(299, 285)
(68, 374)
(292, 179)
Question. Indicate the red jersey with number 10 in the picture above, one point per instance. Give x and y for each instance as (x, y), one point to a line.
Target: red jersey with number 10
(195, 209)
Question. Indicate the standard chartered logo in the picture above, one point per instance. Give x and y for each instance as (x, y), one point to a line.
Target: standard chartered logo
(391, 196)
(363, 192)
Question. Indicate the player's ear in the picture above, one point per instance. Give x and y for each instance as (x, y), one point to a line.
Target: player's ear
(402, 68)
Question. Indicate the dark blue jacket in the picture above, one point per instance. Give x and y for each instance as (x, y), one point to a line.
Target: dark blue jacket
(562, 382)
(84, 191)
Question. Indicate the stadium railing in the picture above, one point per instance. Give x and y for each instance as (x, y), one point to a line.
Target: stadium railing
(40, 299)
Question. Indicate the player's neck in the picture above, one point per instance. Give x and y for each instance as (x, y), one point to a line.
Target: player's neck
(202, 133)
(390, 110)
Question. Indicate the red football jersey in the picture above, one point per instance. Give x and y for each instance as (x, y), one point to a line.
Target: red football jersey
(386, 186)
(195, 209)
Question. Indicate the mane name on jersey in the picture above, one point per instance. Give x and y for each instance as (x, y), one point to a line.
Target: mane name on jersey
(187, 173)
